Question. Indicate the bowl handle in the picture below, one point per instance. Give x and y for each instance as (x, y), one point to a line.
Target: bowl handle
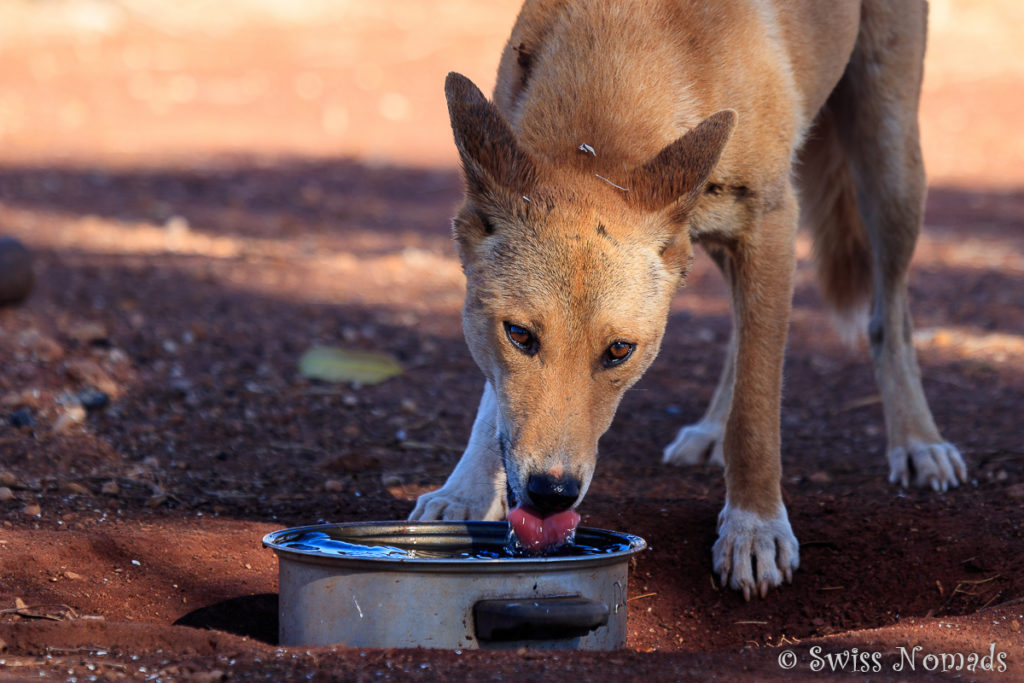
(538, 618)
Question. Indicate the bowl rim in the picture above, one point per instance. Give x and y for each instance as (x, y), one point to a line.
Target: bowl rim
(631, 543)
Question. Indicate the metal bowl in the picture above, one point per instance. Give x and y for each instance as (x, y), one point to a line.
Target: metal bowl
(449, 585)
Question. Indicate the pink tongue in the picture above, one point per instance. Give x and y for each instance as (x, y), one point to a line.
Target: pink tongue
(538, 534)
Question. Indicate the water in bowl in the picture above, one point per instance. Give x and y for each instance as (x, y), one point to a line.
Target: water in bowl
(325, 543)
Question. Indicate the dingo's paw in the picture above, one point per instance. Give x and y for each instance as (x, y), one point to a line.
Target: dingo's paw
(938, 465)
(453, 505)
(696, 444)
(754, 553)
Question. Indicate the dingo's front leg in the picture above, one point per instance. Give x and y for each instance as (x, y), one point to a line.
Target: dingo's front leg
(475, 490)
(701, 442)
(756, 549)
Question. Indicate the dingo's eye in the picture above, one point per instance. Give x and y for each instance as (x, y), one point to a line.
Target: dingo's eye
(522, 339)
(617, 353)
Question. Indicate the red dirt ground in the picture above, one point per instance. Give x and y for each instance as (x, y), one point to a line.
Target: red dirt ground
(209, 196)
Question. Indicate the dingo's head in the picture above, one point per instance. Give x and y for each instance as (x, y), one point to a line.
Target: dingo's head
(569, 279)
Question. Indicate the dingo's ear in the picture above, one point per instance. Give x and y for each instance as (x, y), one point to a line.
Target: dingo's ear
(487, 146)
(680, 171)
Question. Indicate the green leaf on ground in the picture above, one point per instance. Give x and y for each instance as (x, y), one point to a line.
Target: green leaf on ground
(331, 364)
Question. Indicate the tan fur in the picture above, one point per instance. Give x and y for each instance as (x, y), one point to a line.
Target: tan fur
(619, 135)
(828, 205)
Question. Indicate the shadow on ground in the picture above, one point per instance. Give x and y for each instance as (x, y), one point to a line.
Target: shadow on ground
(251, 616)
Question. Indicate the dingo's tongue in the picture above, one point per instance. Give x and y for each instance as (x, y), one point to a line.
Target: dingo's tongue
(538, 534)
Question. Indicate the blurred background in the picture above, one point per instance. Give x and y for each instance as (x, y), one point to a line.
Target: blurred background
(154, 79)
(133, 80)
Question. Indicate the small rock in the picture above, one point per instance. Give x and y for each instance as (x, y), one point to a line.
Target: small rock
(27, 398)
(8, 478)
(88, 332)
(1015, 491)
(42, 347)
(350, 462)
(33, 510)
(93, 399)
(90, 374)
(333, 486)
(73, 576)
(21, 418)
(820, 477)
(116, 356)
(70, 419)
(110, 488)
(75, 488)
(15, 271)
(389, 480)
(6, 494)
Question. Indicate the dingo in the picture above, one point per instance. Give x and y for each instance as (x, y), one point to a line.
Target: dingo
(621, 133)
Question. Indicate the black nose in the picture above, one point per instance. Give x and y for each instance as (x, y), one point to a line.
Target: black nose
(549, 494)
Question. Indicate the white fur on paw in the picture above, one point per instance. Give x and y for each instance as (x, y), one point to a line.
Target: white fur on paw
(754, 553)
(936, 465)
(696, 444)
(442, 504)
